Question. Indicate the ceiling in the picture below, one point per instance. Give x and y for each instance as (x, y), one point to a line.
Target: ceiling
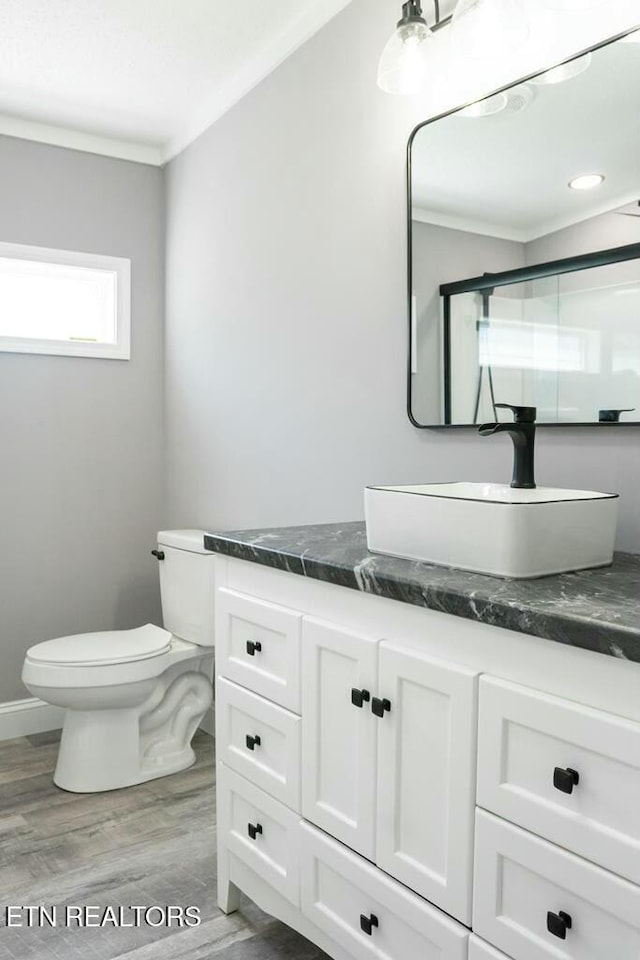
(139, 79)
(506, 175)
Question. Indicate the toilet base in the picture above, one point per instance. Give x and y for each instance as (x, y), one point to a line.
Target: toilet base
(108, 749)
(78, 784)
(99, 750)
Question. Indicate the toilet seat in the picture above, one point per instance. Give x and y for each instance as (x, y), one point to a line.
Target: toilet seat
(102, 649)
(100, 668)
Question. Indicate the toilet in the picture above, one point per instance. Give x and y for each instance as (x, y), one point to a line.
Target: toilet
(133, 699)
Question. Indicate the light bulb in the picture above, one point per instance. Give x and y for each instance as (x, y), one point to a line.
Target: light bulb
(486, 28)
(403, 64)
(487, 107)
(566, 71)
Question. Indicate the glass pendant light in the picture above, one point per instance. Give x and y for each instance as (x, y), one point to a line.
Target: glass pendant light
(488, 28)
(571, 6)
(487, 107)
(566, 71)
(403, 63)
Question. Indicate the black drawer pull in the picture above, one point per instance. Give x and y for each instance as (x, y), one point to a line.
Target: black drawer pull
(379, 706)
(254, 829)
(158, 554)
(565, 780)
(558, 924)
(253, 647)
(252, 742)
(368, 923)
(358, 697)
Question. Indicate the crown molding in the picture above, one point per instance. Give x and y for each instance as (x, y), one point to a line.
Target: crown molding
(80, 140)
(501, 231)
(297, 34)
(158, 154)
(611, 205)
(452, 221)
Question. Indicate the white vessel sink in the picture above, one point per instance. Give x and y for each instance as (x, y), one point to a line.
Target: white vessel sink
(492, 528)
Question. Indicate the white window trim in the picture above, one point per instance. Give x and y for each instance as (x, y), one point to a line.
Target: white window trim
(121, 350)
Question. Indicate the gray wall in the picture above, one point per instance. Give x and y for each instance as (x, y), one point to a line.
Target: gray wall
(286, 309)
(599, 233)
(81, 439)
(443, 255)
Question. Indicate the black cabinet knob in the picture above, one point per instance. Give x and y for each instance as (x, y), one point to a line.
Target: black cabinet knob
(253, 647)
(565, 780)
(368, 923)
(252, 742)
(253, 829)
(358, 697)
(558, 924)
(380, 706)
(158, 554)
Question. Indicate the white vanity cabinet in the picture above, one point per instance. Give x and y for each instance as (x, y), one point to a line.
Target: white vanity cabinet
(388, 758)
(401, 784)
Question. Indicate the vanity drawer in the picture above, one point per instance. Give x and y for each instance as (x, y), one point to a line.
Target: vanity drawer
(525, 885)
(259, 740)
(258, 646)
(528, 739)
(366, 912)
(260, 831)
(479, 950)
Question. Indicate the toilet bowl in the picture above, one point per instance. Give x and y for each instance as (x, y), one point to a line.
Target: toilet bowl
(133, 699)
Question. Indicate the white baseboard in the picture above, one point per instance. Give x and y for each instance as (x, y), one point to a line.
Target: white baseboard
(19, 718)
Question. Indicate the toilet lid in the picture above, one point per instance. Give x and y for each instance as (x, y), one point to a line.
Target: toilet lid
(99, 649)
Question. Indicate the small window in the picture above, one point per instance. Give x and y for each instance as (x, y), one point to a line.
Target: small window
(64, 303)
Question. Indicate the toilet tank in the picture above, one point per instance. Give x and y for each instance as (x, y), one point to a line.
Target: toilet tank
(187, 586)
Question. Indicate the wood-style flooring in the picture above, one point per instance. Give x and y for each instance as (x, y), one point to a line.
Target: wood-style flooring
(153, 844)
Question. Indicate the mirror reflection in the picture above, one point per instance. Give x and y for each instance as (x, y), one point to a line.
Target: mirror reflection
(525, 277)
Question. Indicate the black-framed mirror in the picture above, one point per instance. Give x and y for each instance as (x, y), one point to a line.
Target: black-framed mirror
(523, 288)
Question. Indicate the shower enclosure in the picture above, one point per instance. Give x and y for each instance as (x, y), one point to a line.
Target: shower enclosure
(562, 336)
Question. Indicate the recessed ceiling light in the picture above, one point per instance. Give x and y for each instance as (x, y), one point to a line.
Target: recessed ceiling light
(587, 182)
(566, 71)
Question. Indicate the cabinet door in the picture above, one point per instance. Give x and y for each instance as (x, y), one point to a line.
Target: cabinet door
(426, 776)
(339, 671)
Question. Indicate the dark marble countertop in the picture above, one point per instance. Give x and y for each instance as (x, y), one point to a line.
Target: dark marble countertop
(595, 609)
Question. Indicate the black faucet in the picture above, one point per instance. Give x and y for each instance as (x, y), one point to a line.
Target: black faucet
(523, 433)
(612, 416)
